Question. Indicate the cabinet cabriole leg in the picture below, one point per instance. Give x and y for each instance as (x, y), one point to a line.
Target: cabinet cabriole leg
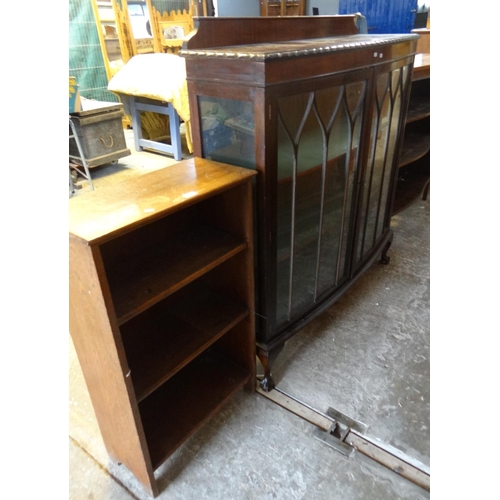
(267, 359)
(426, 190)
(385, 259)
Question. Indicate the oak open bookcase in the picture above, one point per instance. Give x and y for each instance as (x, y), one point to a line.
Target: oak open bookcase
(161, 294)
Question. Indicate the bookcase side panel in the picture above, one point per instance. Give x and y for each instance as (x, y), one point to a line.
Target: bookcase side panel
(100, 352)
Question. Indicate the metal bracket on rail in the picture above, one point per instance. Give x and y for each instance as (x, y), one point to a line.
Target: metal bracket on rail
(341, 427)
(346, 435)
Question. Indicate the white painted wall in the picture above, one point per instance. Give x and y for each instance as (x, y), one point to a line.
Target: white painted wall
(237, 8)
(326, 7)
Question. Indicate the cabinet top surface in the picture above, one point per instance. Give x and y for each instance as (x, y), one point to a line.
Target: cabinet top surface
(298, 48)
(106, 213)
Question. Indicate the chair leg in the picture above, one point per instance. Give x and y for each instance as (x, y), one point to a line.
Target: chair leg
(136, 124)
(82, 158)
(71, 185)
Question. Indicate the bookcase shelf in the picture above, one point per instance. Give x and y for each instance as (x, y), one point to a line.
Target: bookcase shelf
(186, 401)
(144, 279)
(161, 294)
(176, 333)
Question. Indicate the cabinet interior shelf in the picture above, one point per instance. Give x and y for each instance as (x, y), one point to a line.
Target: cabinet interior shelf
(418, 109)
(414, 163)
(168, 336)
(178, 408)
(146, 278)
(416, 144)
(412, 181)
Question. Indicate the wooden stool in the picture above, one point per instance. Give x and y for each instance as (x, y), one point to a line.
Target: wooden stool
(138, 104)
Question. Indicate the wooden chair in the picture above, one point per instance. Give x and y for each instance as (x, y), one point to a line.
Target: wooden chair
(170, 29)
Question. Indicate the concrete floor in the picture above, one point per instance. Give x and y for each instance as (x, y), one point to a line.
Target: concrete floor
(366, 356)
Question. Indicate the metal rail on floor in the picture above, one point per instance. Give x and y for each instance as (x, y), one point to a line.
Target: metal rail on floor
(346, 435)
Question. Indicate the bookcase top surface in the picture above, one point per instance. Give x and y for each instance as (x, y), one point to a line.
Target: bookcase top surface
(110, 211)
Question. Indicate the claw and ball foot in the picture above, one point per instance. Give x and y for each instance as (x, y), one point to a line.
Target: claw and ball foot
(385, 259)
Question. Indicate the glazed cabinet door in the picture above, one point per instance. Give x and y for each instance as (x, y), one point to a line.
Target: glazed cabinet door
(319, 139)
(378, 177)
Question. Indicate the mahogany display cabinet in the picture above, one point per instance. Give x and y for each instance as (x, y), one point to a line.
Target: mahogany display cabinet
(318, 110)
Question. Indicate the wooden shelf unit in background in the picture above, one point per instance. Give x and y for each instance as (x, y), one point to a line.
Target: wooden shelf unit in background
(414, 164)
(161, 305)
(282, 8)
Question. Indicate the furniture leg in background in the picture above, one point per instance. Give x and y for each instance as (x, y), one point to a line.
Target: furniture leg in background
(81, 157)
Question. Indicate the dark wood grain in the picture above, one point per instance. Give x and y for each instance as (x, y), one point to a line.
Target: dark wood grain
(265, 65)
(166, 338)
(213, 32)
(142, 280)
(420, 98)
(416, 144)
(176, 410)
(418, 109)
(412, 181)
(237, 345)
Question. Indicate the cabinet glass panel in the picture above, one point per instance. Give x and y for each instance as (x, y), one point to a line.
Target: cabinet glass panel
(318, 137)
(377, 175)
(227, 130)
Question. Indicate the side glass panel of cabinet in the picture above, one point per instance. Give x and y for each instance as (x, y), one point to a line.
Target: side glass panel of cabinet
(318, 158)
(228, 131)
(376, 178)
